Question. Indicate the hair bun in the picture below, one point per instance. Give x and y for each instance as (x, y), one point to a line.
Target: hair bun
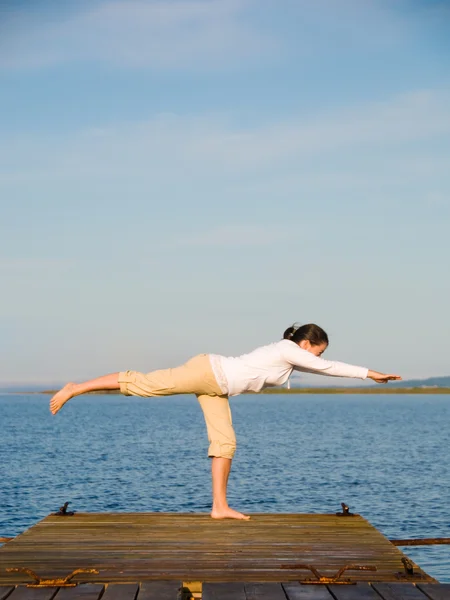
(289, 333)
(314, 334)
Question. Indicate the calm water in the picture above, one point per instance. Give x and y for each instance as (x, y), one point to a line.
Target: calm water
(386, 457)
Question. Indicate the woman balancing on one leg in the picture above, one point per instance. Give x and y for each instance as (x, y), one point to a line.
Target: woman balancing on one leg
(213, 378)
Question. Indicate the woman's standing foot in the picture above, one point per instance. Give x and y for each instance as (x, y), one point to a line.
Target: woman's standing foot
(228, 513)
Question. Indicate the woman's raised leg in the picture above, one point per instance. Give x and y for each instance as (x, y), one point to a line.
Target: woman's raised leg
(106, 382)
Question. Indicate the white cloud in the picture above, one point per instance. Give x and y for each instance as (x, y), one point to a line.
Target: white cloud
(211, 147)
(234, 235)
(138, 33)
(200, 34)
(436, 199)
(24, 265)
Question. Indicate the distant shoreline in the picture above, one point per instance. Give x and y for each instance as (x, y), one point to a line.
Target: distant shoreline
(382, 389)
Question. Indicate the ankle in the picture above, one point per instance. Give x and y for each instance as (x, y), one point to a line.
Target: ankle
(220, 505)
(73, 388)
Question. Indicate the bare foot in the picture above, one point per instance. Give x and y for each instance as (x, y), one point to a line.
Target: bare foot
(59, 399)
(228, 513)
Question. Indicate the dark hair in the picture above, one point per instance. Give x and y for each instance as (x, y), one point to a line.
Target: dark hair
(313, 333)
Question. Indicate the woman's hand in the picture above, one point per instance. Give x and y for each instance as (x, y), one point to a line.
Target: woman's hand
(381, 377)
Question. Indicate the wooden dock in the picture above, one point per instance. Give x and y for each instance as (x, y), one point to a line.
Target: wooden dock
(165, 556)
(170, 590)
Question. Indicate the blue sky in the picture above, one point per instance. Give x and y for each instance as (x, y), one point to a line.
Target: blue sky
(193, 176)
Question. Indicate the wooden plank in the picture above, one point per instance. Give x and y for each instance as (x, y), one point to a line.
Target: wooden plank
(159, 590)
(223, 591)
(399, 591)
(360, 591)
(422, 542)
(5, 590)
(264, 591)
(435, 591)
(23, 593)
(297, 591)
(84, 591)
(130, 547)
(121, 591)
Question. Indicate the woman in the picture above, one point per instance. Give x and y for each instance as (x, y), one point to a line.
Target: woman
(214, 378)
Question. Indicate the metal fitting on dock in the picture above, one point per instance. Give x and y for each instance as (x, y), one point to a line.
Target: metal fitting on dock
(334, 579)
(345, 511)
(39, 582)
(63, 512)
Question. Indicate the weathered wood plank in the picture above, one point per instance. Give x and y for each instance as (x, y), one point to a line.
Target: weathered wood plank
(296, 591)
(84, 591)
(264, 591)
(121, 591)
(435, 591)
(360, 591)
(5, 590)
(399, 591)
(159, 590)
(130, 547)
(23, 593)
(223, 591)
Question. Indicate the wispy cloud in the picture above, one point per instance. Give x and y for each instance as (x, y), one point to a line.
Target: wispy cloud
(138, 33)
(22, 265)
(234, 236)
(211, 146)
(198, 34)
(437, 199)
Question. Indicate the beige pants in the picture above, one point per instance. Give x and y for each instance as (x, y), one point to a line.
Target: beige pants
(194, 377)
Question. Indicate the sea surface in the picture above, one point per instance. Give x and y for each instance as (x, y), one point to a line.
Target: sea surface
(387, 457)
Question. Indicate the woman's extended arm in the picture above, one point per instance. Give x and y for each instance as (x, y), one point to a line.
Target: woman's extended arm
(381, 377)
(305, 361)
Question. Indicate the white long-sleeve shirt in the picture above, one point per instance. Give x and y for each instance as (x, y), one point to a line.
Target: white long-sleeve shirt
(272, 365)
